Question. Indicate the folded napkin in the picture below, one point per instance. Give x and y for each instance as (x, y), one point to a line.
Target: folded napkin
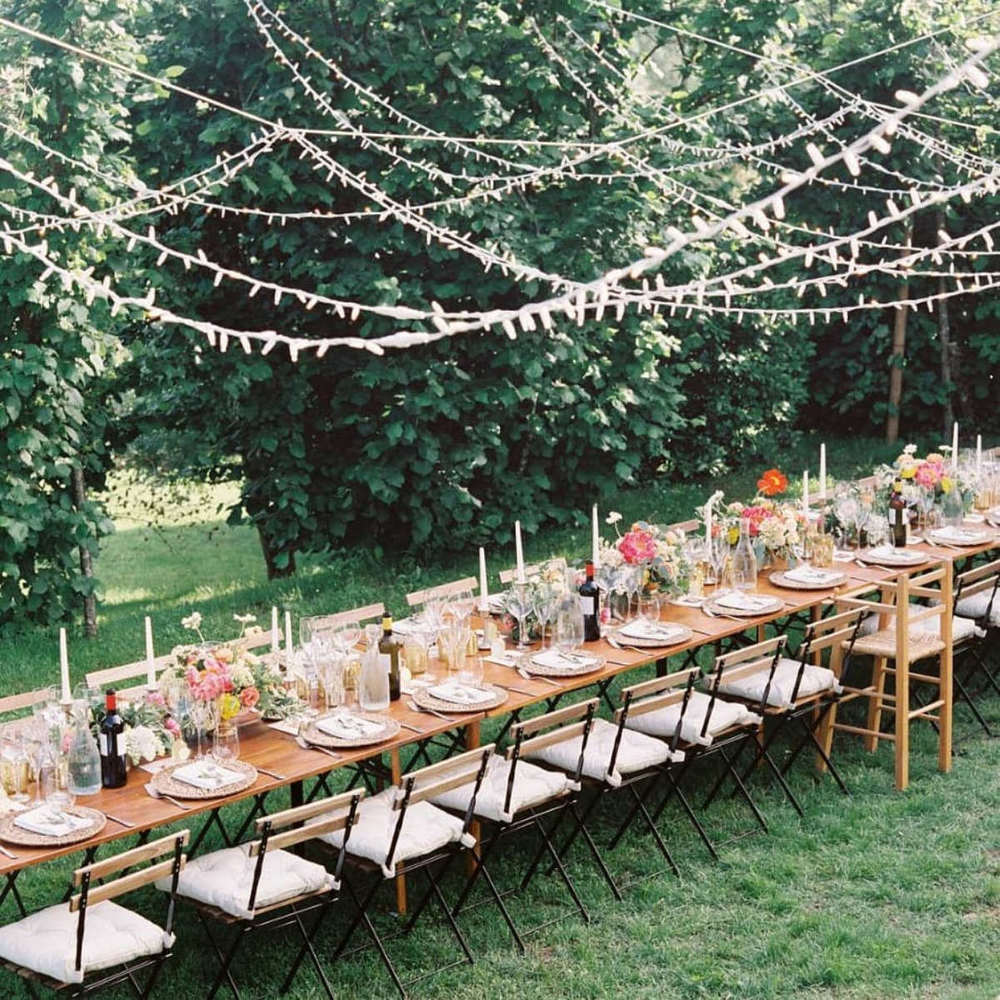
(688, 602)
(891, 552)
(408, 626)
(809, 574)
(206, 775)
(460, 694)
(498, 603)
(652, 631)
(744, 602)
(346, 726)
(50, 822)
(507, 660)
(561, 661)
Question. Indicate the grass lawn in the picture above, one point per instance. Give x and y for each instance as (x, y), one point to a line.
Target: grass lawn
(880, 895)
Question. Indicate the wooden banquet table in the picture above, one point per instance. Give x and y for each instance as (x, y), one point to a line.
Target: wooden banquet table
(278, 752)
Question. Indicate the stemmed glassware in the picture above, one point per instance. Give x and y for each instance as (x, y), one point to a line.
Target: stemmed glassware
(567, 632)
(545, 603)
(519, 603)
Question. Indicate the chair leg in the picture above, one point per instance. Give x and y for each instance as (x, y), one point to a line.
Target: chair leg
(675, 790)
(225, 960)
(875, 703)
(664, 850)
(731, 769)
(307, 947)
(364, 920)
(630, 815)
(498, 899)
(580, 828)
(446, 909)
(560, 867)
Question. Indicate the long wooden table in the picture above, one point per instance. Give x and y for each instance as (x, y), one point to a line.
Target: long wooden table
(279, 752)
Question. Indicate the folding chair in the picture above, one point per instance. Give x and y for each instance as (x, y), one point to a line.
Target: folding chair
(93, 943)
(798, 692)
(904, 642)
(611, 758)
(976, 600)
(261, 885)
(534, 569)
(695, 723)
(399, 830)
(516, 796)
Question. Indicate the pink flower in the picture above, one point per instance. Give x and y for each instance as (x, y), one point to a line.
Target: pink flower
(155, 698)
(171, 726)
(928, 474)
(637, 546)
(249, 697)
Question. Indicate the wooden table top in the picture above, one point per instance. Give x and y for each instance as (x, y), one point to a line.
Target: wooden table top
(278, 752)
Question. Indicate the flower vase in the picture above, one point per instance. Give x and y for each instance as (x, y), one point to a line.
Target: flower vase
(775, 561)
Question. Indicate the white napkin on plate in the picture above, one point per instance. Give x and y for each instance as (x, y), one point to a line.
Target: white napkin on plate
(653, 631)
(810, 574)
(406, 626)
(744, 602)
(561, 661)
(50, 822)
(460, 694)
(347, 726)
(507, 660)
(891, 552)
(206, 775)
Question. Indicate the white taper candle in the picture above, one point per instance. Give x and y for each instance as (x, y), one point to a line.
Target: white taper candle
(64, 667)
(275, 641)
(519, 551)
(288, 633)
(484, 594)
(805, 493)
(595, 540)
(979, 455)
(954, 446)
(822, 472)
(150, 666)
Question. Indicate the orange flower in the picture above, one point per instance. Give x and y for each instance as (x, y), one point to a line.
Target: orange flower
(772, 483)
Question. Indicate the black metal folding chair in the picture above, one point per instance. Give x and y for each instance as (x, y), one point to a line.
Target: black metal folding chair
(516, 797)
(798, 693)
(104, 944)
(613, 758)
(262, 886)
(398, 831)
(695, 723)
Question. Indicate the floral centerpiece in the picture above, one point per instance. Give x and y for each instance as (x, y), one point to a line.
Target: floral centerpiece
(924, 481)
(657, 550)
(149, 732)
(232, 679)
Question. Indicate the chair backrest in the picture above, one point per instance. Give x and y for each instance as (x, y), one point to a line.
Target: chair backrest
(548, 730)
(17, 703)
(126, 672)
(742, 663)
(330, 623)
(172, 845)
(340, 812)
(535, 569)
(662, 692)
(693, 524)
(839, 630)
(436, 779)
(441, 591)
(983, 579)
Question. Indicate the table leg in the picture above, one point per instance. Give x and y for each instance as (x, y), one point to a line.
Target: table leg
(472, 737)
(397, 774)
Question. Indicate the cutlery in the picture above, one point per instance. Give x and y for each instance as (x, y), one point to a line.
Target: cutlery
(270, 774)
(306, 745)
(511, 687)
(120, 822)
(622, 645)
(9, 854)
(414, 707)
(413, 729)
(155, 793)
(544, 680)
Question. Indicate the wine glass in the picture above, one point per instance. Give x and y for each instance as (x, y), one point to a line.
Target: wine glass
(544, 605)
(519, 603)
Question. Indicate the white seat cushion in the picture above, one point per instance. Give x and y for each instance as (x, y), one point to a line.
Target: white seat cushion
(224, 878)
(636, 752)
(533, 786)
(725, 715)
(45, 942)
(779, 694)
(425, 829)
(976, 605)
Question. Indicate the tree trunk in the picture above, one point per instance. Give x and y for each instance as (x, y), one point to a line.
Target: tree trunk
(86, 564)
(274, 572)
(898, 356)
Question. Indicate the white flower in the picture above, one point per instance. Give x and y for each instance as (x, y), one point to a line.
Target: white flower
(241, 677)
(910, 449)
(193, 621)
(613, 517)
(142, 744)
(243, 619)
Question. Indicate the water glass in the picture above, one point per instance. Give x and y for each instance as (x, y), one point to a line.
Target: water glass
(649, 608)
(226, 745)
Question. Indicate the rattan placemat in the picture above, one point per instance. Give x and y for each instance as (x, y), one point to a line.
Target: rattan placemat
(781, 579)
(390, 727)
(903, 559)
(165, 782)
(12, 834)
(587, 666)
(679, 634)
(425, 699)
(713, 608)
(934, 538)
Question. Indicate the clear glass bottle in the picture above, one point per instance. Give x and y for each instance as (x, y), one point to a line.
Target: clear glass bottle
(373, 682)
(745, 559)
(84, 759)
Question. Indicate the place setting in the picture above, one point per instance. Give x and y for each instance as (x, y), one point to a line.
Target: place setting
(51, 824)
(889, 555)
(741, 604)
(953, 536)
(806, 577)
(344, 729)
(204, 778)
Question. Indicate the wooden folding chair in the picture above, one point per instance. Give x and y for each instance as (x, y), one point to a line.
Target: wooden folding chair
(517, 796)
(799, 692)
(693, 722)
(530, 572)
(94, 943)
(127, 672)
(400, 828)
(441, 592)
(263, 886)
(903, 644)
(330, 623)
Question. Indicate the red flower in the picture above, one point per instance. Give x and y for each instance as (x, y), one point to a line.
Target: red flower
(772, 483)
